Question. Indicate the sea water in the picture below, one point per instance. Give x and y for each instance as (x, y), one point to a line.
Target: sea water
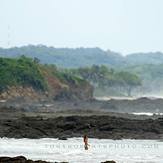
(72, 150)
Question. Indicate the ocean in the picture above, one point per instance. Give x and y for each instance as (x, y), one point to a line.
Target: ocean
(72, 150)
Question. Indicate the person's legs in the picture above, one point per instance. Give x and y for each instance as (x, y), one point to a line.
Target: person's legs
(86, 147)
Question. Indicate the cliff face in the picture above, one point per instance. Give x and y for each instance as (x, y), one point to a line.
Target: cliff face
(63, 86)
(57, 92)
(72, 92)
(26, 93)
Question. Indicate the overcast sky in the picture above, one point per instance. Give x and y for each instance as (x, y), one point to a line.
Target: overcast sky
(124, 26)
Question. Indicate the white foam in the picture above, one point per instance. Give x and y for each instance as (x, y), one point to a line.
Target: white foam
(106, 98)
(147, 113)
(72, 150)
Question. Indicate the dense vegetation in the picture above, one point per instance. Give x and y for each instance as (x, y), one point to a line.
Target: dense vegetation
(101, 77)
(82, 57)
(22, 71)
(151, 76)
(29, 72)
(65, 57)
(114, 68)
(25, 71)
(62, 75)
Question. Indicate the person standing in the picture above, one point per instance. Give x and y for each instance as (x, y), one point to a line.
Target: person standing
(85, 139)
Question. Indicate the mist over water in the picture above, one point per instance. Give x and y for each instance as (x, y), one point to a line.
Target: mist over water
(72, 150)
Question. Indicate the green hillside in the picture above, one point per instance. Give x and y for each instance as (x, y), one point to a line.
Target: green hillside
(120, 80)
(28, 72)
(22, 71)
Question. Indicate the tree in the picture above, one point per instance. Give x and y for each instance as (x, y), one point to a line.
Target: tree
(36, 60)
(128, 81)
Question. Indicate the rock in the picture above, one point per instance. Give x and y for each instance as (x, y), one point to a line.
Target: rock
(21, 159)
(18, 159)
(109, 162)
(62, 138)
(60, 162)
(39, 161)
(106, 128)
(13, 92)
(67, 125)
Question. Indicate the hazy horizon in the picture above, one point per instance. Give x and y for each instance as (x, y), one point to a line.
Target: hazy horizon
(90, 47)
(123, 26)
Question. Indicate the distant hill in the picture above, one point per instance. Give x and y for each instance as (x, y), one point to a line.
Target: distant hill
(66, 57)
(82, 57)
(144, 58)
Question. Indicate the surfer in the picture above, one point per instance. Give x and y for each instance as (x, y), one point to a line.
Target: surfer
(85, 138)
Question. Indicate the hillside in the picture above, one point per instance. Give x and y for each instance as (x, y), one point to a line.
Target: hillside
(25, 77)
(65, 57)
(146, 66)
(144, 58)
(82, 57)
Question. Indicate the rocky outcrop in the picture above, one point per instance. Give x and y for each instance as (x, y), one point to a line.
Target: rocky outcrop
(58, 91)
(18, 159)
(67, 87)
(21, 159)
(73, 92)
(75, 126)
(109, 162)
(26, 93)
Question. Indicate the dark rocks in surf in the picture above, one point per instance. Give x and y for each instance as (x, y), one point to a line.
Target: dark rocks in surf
(108, 162)
(21, 159)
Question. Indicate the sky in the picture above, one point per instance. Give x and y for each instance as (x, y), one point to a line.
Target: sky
(125, 26)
